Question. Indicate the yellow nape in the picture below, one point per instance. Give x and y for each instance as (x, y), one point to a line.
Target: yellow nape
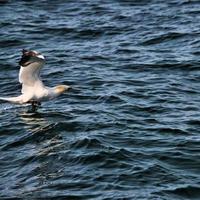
(61, 88)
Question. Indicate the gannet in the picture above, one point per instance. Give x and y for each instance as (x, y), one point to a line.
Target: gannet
(33, 90)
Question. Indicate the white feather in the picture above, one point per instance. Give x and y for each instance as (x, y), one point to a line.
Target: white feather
(17, 100)
(33, 88)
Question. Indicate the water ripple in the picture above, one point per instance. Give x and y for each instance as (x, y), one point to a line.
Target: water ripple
(129, 128)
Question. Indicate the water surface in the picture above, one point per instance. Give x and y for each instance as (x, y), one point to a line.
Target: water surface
(129, 128)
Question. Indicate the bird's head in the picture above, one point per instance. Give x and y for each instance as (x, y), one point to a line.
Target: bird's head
(61, 89)
(29, 57)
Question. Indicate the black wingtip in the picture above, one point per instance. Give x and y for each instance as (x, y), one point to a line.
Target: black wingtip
(24, 51)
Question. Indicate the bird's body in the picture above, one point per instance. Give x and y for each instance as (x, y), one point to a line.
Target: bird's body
(33, 89)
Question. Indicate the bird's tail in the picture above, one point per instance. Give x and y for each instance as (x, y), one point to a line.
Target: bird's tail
(17, 100)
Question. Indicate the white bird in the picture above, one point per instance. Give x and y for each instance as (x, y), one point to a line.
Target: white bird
(33, 90)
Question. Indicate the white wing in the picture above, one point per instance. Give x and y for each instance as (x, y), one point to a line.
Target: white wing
(29, 76)
(17, 100)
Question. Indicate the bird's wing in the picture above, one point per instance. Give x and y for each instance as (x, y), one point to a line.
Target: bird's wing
(17, 100)
(29, 75)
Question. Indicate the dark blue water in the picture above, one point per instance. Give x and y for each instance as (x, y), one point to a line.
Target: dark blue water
(129, 128)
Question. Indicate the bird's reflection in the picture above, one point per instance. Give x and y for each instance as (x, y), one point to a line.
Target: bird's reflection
(32, 119)
(47, 146)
